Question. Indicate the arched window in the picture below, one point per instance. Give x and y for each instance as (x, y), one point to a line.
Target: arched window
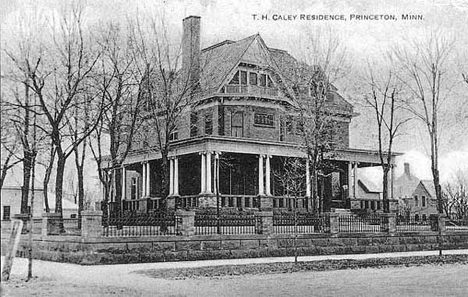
(424, 218)
(423, 201)
(416, 201)
(416, 217)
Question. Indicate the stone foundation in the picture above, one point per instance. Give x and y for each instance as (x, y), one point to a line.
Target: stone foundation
(202, 247)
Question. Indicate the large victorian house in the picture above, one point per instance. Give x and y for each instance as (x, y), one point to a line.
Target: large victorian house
(234, 136)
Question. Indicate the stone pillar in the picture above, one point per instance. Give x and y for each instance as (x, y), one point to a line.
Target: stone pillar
(308, 192)
(50, 224)
(334, 223)
(267, 176)
(171, 177)
(203, 174)
(91, 224)
(388, 223)
(176, 176)
(208, 173)
(260, 176)
(264, 222)
(25, 218)
(185, 222)
(441, 224)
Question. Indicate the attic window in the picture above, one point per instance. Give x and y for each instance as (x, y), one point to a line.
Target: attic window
(263, 80)
(253, 78)
(270, 82)
(235, 79)
(243, 77)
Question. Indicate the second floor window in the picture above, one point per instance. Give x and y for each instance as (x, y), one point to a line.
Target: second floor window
(264, 119)
(174, 134)
(237, 124)
(416, 201)
(208, 123)
(193, 124)
(423, 201)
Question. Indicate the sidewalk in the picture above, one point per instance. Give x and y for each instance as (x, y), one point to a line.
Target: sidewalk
(56, 269)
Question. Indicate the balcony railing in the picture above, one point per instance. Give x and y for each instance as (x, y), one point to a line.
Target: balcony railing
(248, 89)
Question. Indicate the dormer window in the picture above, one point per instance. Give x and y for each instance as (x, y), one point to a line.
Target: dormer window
(263, 80)
(243, 77)
(253, 78)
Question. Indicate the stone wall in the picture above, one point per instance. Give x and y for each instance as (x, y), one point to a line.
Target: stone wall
(178, 248)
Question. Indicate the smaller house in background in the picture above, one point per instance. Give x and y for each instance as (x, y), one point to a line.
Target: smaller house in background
(11, 202)
(423, 201)
(406, 184)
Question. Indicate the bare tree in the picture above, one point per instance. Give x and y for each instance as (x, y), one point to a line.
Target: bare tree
(292, 179)
(324, 60)
(168, 90)
(425, 72)
(384, 98)
(119, 82)
(455, 197)
(10, 142)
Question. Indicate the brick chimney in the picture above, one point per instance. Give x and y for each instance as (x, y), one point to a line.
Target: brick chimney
(191, 48)
(407, 169)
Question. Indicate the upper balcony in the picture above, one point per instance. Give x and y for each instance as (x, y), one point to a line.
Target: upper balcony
(251, 90)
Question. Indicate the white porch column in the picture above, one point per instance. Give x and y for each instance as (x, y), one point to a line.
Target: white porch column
(355, 178)
(267, 176)
(124, 183)
(260, 175)
(203, 174)
(307, 178)
(176, 176)
(350, 180)
(208, 173)
(143, 164)
(148, 179)
(216, 172)
(171, 177)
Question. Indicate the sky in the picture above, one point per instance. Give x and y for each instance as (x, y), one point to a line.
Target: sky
(235, 20)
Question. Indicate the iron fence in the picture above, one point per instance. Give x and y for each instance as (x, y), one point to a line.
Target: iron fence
(355, 223)
(414, 224)
(301, 223)
(151, 224)
(207, 223)
(456, 225)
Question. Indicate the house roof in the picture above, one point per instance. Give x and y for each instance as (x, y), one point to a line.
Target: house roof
(405, 185)
(218, 60)
(429, 187)
(369, 186)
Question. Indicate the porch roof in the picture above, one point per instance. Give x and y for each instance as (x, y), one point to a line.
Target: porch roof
(364, 158)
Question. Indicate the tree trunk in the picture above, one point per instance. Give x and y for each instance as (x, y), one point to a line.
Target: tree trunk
(386, 204)
(61, 160)
(27, 163)
(118, 191)
(45, 184)
(79, 170)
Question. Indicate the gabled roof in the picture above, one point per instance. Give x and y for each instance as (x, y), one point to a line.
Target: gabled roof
(218, 60)
(429, 187)
(369, 186)
(405, 185)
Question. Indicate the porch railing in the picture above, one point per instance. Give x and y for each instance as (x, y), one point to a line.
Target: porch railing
(456, 225)
(239, 201)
